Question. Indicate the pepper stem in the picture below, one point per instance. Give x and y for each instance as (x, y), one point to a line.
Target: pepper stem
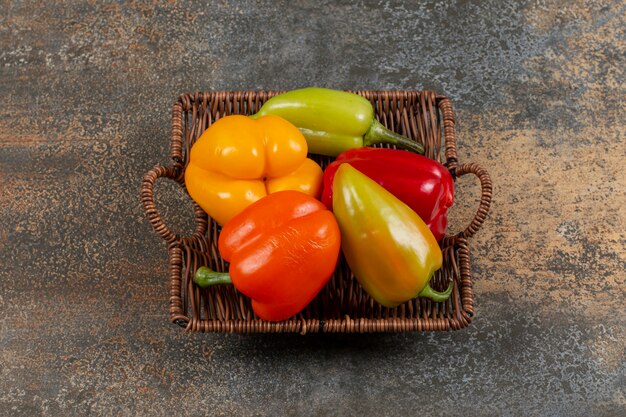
(205, 277)
(377, 133)
(436, 296)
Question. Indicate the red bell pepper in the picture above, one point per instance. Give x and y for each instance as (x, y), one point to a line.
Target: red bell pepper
(282, 250)
(422, 183)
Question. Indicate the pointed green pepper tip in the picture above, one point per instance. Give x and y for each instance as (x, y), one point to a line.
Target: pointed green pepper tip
(436, 296)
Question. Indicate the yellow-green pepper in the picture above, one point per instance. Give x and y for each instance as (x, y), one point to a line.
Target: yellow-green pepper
(389, 248)
(333, 121)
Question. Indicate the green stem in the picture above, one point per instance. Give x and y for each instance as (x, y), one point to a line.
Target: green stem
(436, 296)
(206, 277)
(377, 133)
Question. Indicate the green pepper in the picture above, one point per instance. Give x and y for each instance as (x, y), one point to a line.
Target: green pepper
(333, 121)
(391, 251)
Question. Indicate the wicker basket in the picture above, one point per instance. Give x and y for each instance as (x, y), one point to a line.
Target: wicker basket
(342, 305)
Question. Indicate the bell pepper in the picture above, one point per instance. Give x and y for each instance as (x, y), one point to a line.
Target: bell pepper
(333, 121)
(282, 250)
(237, 161)
(388, 247)
(422, 183)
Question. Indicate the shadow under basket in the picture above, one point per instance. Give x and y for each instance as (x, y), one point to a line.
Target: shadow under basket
(342, 305)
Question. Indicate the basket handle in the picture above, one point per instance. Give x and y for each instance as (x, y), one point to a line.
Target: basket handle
(147, 198)
(486, 187)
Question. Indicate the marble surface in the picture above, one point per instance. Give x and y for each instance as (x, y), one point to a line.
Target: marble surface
(87, 88)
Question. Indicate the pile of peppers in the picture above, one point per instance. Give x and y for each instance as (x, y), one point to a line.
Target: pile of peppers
(285, 220)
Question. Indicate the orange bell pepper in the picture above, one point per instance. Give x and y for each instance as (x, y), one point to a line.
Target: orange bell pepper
(282, 250)
(238, 160)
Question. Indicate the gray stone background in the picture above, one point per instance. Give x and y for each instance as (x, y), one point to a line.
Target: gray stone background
(87, 88)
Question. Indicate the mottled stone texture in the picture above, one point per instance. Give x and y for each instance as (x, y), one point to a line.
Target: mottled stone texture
(86, 93)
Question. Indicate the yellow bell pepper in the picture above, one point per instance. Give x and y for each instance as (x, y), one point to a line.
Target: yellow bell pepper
(238, 160)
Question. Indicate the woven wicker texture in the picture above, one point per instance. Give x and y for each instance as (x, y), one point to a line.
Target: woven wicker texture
(342, 305)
